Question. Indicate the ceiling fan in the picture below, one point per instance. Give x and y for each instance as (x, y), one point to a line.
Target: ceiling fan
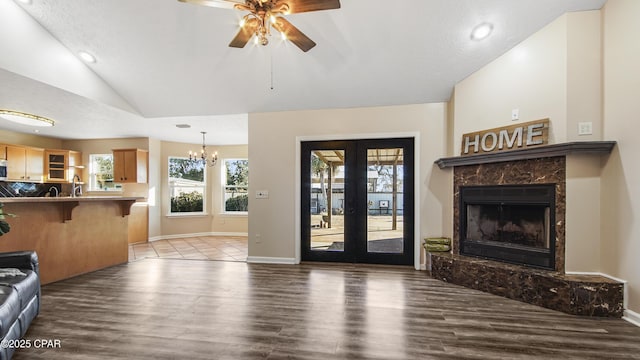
(264, 14)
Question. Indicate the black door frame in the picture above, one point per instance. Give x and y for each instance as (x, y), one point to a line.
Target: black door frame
(355, 181)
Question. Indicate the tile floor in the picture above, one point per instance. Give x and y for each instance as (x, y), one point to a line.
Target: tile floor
(227, 248)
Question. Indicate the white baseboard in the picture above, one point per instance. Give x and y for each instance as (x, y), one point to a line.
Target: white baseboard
(271, 260)
(632, 317)
(192, 235)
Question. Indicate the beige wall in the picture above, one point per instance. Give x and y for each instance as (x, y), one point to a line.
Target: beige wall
(583, 214)
(155, 188)
(10, 137)
(273, 154)
(553, 74)
(214, 221)
(531, 77)
(621, 173)
(584, 76)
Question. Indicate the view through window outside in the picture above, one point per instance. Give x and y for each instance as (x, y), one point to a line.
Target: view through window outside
(236, 188)
(101, 173)
(186, 185)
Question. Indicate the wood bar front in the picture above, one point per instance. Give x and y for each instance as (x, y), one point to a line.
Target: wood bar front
(94, 237)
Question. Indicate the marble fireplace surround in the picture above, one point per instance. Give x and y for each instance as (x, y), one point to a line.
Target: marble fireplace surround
(580, 295)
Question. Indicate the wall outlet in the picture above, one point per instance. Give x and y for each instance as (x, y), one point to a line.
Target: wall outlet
(515, 114)
(585, 128)
(262, 194)
(258, 239)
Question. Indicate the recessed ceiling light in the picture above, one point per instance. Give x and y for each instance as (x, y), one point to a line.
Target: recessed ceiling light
(481, 31)
(86, 57)
(183, 126)
(26, 2)
(25, 118)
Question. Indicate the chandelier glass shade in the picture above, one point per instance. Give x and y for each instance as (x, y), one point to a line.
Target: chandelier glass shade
(203, 159)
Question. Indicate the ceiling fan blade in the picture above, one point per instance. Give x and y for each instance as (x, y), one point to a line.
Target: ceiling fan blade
(225, 4)
(299, 6)
(293, 34)
(245, 33)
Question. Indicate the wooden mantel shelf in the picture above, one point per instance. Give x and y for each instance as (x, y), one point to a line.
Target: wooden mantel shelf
(67, 204)
(577, 147)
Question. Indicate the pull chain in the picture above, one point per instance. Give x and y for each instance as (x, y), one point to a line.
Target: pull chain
(271, 65)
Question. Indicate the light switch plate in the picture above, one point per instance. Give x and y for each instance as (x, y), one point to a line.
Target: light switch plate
(515, 114)
(262, 194)
(585, 128)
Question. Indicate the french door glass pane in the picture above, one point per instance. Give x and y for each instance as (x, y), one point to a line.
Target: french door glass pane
(385, 173)
(327, 200)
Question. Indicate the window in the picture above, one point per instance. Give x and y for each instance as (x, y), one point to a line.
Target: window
(101, 173)
(186, 186)
(236, 185)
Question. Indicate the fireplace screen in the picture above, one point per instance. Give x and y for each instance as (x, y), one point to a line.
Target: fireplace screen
(509, 223)
(517, 225)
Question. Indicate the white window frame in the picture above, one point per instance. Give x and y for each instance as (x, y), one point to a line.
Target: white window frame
(93, 176)
(224, 187)
(204, 211)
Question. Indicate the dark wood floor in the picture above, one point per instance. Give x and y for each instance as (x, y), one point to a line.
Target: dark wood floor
(190, 309)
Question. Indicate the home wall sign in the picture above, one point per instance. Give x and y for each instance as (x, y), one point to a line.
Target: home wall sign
(524, 135)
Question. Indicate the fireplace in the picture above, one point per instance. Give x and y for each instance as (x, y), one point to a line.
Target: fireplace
(509, 210)
(509, 223)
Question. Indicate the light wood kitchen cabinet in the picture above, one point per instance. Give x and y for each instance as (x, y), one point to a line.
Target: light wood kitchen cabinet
(130, 165)
(3, 151)
(25, 164)
(62, 165)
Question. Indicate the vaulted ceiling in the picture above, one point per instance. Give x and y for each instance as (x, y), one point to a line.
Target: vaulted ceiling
(170, 63)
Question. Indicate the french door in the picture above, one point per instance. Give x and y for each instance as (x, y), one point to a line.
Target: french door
(357, 201)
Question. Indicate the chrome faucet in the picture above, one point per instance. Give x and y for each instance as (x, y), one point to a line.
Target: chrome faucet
(76, 189)
(56, 190)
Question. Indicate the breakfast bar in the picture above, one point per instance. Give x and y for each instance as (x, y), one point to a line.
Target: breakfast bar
(72, 235)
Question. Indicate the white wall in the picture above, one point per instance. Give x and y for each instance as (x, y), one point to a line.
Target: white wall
(621, 173)
(273, 139)
(36, 54)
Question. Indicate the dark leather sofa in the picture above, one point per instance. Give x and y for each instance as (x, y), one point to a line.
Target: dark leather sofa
(19, 298)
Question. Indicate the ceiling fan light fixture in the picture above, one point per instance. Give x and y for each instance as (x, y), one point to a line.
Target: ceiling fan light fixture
(25, 118)
(264, 14)
(481, 31)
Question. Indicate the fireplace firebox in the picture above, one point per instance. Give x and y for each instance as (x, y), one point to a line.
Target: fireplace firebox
(509, 223)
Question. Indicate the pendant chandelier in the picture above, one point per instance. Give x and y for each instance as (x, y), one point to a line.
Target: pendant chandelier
(203, 159)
